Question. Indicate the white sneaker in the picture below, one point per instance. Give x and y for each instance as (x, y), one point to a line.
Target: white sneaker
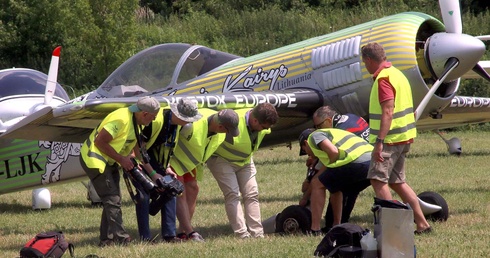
(245, 235)
(194, 236)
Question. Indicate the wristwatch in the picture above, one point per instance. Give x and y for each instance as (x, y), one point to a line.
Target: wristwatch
(379, 140)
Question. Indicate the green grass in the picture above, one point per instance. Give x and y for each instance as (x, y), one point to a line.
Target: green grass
(462, 181)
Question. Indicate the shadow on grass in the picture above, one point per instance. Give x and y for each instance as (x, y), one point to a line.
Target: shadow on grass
(478, 153)
(16, 208)
(215, 231)
(285, 160)
(263, 199)
(465, 191)
(367, 217)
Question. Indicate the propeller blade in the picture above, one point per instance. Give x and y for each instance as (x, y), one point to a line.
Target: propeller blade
(450, 65)
(483, 37)
(52, 76)
(480, 71)
(451, 15)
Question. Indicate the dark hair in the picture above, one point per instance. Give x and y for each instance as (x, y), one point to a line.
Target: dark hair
(265, 113)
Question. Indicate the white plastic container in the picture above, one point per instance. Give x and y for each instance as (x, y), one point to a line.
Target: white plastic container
(369, 246)
(41, 199)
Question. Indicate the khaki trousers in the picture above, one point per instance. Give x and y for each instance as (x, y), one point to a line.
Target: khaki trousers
(234, 181)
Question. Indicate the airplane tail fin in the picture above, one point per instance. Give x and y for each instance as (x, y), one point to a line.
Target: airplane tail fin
(52, 76)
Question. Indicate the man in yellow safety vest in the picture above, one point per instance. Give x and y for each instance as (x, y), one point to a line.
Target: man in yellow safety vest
(392, 130)
(109, 147)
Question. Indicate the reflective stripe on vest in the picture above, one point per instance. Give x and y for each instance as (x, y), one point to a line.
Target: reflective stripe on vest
(350, 146)
(123, 143)
(403, 122)
(240, 151)
(195, 148)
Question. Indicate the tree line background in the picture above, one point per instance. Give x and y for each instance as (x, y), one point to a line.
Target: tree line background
(99, 35)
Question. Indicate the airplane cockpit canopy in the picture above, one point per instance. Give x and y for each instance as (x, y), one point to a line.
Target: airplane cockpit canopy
(26, 81)
(160, 68)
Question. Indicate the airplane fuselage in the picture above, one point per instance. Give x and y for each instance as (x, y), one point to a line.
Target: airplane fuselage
(297, 79)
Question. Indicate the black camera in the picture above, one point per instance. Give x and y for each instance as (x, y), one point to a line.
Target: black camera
(171, 187)
(140, 180)
(165, 188)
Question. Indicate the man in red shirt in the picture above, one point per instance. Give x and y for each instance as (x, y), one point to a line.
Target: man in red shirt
(392, 129)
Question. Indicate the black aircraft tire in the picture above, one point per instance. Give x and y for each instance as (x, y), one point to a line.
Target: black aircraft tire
(293, 219)
(436, 199)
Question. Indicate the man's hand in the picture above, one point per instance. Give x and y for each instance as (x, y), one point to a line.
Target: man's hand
(377, 152)
(171, 172)
(303, 202)
(126, 163)
(155, 177)
(310, 161)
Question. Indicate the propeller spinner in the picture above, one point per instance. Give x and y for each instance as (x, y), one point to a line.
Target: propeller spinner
(441, 47)
(451, 54)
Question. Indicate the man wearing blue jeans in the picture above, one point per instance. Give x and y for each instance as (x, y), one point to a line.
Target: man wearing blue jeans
(159, 138)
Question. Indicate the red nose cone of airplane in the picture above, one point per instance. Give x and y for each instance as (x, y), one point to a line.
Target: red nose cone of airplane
(442, 46)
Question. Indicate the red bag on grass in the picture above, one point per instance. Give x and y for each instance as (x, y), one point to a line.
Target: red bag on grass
(50, 244)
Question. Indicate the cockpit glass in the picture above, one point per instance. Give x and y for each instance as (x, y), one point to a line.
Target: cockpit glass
(147, 71)
(161, 68)
(26, 81)
(202, 60)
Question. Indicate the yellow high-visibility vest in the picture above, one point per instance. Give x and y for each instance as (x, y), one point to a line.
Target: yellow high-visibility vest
(194, 146)
(123, 141)
(160, 152)
(240, 151)
(403, 123)
(350, 147)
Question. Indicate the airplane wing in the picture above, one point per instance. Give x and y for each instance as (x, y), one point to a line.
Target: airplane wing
(74, 121)
(461, 111)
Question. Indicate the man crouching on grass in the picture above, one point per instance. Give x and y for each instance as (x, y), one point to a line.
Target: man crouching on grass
(346, 157)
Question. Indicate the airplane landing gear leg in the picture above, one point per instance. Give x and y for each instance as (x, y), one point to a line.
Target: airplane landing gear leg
(453, 144)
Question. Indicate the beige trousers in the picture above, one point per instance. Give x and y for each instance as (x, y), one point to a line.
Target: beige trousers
(234, 181)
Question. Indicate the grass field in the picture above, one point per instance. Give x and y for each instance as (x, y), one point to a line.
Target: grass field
(462, 181)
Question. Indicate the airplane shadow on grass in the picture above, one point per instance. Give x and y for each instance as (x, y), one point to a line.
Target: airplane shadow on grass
(17, 208)
(445, 154)
(262, 199)
(284, 160)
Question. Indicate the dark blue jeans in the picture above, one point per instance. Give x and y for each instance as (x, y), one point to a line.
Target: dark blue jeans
(168, 217)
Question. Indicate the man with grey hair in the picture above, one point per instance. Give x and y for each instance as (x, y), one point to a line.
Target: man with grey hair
(327, 117)
(109, 147)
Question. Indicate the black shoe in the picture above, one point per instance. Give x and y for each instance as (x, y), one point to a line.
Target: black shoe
(172, 240)
(325, 230)
(314, 233)
(105, 243)
(182, 236)
(425, 231)
(125, 241)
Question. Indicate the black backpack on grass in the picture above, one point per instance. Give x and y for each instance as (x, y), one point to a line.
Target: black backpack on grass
(342, 240)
